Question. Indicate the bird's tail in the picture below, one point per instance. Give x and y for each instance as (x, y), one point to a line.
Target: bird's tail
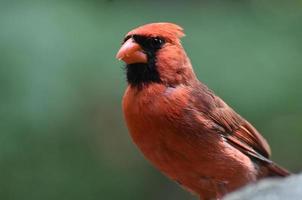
(273, 170)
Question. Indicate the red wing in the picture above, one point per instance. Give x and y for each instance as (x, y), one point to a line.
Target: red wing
(242, 143)
(249, 135)
(238, 132)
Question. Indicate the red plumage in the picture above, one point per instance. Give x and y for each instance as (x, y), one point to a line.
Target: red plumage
(182, 127)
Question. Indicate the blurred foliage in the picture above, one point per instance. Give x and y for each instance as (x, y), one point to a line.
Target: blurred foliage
(62, 130)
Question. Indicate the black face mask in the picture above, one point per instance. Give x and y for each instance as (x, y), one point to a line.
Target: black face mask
(143, 73)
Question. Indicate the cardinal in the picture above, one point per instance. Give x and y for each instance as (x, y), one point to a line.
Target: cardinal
(184, 129)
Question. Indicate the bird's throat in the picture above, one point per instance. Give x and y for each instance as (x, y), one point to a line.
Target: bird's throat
(142, 73)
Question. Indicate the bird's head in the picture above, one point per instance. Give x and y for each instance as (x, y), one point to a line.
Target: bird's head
(153, 54)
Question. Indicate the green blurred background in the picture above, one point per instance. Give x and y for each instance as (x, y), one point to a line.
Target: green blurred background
(62, 130)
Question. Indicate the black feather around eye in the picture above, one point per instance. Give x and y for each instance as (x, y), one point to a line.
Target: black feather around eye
(126, 38)
(145, 73)
(158, 41)
(149, 44)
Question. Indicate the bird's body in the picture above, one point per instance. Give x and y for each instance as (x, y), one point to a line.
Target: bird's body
(181, 126)
(196, 157)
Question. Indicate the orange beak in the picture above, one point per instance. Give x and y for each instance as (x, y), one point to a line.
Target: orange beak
(131, 53)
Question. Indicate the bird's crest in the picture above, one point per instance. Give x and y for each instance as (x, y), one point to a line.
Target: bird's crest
(169, 31)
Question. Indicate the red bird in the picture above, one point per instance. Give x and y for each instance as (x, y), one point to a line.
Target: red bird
(182, 127)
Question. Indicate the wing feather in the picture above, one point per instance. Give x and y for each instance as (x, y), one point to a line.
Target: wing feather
(237, 131)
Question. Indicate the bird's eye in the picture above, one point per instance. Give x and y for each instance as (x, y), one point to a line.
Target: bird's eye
(157, 42)
(149, 43)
